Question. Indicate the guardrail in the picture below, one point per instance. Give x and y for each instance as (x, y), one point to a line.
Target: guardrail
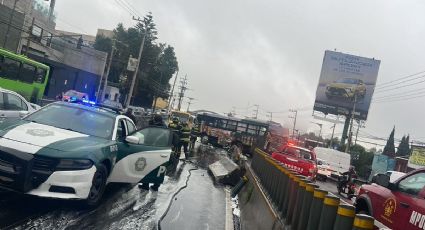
(301, 204)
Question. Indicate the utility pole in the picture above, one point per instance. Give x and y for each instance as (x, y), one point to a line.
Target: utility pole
(270, 115)
(183, 88)
(133, 81)
(295, 120)
(332, 137)
(189, 103)
(320, 125)
(350, 133)
(256, 111)
(101, 95)
(9, 24)
(171, 97)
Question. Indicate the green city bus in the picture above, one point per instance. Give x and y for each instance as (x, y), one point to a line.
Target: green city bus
(23, 75)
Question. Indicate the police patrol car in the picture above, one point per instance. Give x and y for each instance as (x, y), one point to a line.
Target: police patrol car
(72, 151)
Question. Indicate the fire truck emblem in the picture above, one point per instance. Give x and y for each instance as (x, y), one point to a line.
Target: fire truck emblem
(389, 207)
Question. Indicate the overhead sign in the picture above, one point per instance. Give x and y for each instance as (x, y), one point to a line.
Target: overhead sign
(132, 64)
(346, 80)
(417, 158)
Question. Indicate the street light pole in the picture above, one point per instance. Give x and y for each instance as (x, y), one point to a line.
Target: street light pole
(101, 95)
(332, 137)
(295, 121)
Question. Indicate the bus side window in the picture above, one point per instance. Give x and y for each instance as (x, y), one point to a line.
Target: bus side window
(40, 75)
(10, 68)
(1, 64)
(27, 73)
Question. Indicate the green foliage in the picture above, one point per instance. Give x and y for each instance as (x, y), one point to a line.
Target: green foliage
(389, 149)
(157, 66)
(103, 43)
(404, 147)
(362, 160)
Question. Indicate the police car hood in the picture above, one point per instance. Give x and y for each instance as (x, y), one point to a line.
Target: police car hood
(30, 137)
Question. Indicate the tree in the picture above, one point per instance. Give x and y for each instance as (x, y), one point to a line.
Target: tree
(362, 160)
(389, 149)
(157, 66)
(103, 43)
(403, 148)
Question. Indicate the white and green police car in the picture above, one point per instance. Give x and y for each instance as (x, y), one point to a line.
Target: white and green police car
(72, 151)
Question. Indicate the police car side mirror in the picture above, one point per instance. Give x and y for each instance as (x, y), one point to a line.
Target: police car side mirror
(382, 180)
(132, 139)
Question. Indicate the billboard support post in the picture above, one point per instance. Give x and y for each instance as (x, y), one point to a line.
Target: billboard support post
(345, 130)
(347, 148)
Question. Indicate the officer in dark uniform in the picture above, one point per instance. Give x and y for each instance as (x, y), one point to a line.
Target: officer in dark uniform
(194, 133)
(184, 139)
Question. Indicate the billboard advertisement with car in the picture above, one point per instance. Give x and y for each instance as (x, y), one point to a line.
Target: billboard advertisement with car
(346, 80)
(417, 158)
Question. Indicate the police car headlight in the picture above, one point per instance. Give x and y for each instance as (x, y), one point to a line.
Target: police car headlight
(74, 164)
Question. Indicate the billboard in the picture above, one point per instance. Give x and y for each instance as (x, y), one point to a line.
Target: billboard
(346, 80)
(417, 158)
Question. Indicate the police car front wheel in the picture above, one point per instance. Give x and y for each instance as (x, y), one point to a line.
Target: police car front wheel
(98, 186)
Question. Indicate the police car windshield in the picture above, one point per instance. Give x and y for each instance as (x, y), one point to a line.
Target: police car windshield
(76, 119)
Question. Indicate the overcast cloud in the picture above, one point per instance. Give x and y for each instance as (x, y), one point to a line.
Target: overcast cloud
(240, 53)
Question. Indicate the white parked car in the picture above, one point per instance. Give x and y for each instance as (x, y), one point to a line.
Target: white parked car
(13, 106)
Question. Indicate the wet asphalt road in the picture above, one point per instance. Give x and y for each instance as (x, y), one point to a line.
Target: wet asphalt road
(128, 207)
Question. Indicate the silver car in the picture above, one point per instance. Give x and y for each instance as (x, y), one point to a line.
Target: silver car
(14, 106)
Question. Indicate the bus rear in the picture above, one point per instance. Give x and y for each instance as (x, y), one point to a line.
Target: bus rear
(23, 75)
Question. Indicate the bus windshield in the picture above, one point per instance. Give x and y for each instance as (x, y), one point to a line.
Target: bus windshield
(23, 75)
(183, 117)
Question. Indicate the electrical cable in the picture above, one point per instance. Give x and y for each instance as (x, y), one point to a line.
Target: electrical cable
(402, 78)
(176, 193)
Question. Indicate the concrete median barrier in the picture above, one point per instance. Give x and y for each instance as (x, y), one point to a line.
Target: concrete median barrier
(345, 217)
(299, 202)
(328, 215)
(363, 222)
(316, 208)
(305, 210)
(293, 198)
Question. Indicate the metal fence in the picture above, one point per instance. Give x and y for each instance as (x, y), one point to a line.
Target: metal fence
(302, 205)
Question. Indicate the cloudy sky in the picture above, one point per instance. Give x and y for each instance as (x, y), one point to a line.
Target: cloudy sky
(243, 52)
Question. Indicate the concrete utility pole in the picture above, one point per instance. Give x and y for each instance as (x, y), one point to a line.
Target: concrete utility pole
(270, 115)
(171, 97)
(133, 81)
(357, 133)
(10, 23)
(295, 120)
(256, 111)
(183, 89)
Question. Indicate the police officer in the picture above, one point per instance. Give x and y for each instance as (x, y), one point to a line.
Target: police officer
(184, 138)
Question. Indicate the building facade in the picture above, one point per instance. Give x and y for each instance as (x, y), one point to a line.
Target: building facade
(28, 27)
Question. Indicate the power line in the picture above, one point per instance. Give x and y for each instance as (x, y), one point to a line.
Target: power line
(126, 8)
(415, 91)
(132, 7)
(399, 87)
(400, 99)
(399, 79)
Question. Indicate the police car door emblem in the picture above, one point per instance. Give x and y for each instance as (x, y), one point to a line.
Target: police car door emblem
(140, 164)
(40, 132)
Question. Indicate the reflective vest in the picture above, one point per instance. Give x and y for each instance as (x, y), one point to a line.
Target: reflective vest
(185, 134)
(173, 126)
